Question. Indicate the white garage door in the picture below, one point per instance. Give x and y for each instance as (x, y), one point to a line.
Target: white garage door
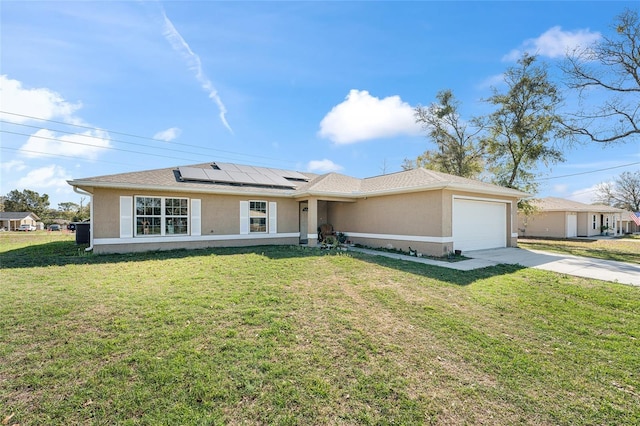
(572, 225)
(479, 225)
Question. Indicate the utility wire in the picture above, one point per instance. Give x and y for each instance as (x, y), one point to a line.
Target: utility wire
(48, 154)
(588, 172)
(101, 138)
(116, 149)
(136, 136)
(187, 145)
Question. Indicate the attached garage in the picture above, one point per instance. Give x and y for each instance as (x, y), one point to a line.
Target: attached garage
(479, 224)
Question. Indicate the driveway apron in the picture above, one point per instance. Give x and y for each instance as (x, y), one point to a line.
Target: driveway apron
(606, 270)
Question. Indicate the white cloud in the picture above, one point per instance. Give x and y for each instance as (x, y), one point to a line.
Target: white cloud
(585, 195)
(86, 145)
(364, 117)
(554, 43)
(13, 166)
(33, 105)
(560, 188)
(40, 103)
(53, 176)
(180, 45)
(168, 135)
(323, 166)
(491, 81)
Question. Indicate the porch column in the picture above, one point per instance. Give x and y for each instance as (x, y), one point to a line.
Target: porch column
(312, 222)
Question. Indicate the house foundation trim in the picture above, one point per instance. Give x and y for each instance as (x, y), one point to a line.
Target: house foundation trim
(419, 238)
(180, 239)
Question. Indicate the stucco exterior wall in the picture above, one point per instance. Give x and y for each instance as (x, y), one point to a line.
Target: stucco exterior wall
(220, 223)
(544, 224)
(406, 214)
(421, 220)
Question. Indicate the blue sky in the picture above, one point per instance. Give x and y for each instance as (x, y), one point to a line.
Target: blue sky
(308, 86)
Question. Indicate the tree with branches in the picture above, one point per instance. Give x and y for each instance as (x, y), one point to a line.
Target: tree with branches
(27, 201)
(611, 69)
(522, 127)
(623, 193)
(459, 147)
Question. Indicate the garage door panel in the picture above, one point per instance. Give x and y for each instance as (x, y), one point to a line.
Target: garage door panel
(479, 225)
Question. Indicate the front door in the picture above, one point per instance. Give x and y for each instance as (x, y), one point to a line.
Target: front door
(304, 210)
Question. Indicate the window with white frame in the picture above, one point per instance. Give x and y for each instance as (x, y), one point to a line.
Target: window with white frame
(257, 216)
(161, 216)
(176, 216)
(594, 224)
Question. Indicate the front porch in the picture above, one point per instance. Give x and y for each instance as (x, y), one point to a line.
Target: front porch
(315, 212)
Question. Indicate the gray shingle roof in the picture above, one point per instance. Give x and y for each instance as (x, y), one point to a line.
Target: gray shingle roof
(331, 184)
(561, 204)
(17, 215)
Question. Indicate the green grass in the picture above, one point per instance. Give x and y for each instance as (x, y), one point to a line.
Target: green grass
(285, 335)
(618, 249)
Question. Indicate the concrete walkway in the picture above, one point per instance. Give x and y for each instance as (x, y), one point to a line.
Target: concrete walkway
(606, 270)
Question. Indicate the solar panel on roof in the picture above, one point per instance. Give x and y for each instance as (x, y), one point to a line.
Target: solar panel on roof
(228, 167)
(241, 177)
(241, 174)
(219, 176)
(192, 173)
(293, 175)
(247, 169)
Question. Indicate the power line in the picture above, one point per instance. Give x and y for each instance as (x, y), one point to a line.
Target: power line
(117, 149)
(135, 136)
(99, 138)
(591, 171)
(48, 154)
(93, 146)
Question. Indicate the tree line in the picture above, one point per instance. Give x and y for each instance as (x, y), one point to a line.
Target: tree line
(526, 129)
(31, 201)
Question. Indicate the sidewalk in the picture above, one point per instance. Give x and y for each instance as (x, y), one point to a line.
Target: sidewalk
(606, 270)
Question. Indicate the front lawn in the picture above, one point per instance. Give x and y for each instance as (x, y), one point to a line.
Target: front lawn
(619, 249)
(286, 335)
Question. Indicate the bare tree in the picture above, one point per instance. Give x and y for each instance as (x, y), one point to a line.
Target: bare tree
(409, 164)
(623, 193)
(609, 68)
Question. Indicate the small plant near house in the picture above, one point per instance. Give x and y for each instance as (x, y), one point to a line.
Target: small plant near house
(448, 257)
(329, 242)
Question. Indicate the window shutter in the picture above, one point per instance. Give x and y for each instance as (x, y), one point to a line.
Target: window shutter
(196, 222)
(244, 217)
(273, 218)
(126, 217)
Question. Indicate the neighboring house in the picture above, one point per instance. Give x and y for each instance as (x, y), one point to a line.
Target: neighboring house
(11, 221)
(630, 222)
(222, 204)
(560, 218)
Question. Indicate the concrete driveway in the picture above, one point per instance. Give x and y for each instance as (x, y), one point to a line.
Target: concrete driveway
(606, 270)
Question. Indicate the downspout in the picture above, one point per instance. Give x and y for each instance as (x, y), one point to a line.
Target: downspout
(81, 192)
